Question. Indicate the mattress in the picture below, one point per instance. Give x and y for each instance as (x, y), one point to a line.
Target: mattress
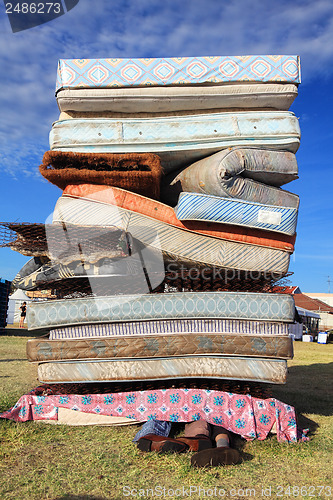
(178, 140)
(147, 72)
(169, 327)
(140, 173)
(244, 173)
(185, 305)
(203, 207)
(164, 213)
(154, 346)
(230, 368)
(117, 276)
(175, 244)
(67, 243)
(242, 95)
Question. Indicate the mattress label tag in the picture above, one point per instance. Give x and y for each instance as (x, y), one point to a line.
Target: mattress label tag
(268, 217)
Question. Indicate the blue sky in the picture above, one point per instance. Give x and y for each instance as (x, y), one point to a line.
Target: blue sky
(151, 28)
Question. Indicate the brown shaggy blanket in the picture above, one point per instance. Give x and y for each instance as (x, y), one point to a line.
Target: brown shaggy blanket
(136, 172)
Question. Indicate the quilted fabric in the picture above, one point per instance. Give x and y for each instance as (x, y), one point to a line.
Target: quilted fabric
(73, 73)
(233, 368)
(178, 140)
(153, 346)
(240, 305)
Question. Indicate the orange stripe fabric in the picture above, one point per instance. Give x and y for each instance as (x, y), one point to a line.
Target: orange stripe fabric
(164, 213)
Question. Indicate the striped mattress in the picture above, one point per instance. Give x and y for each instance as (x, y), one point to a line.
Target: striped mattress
(227, 367)
(176, 244)
(170, 327)
(154, 346)
(185, 305)
(203, 207)
(158, 99)
(178, 140)
(147, 72)
(164, 213)
(244, 173)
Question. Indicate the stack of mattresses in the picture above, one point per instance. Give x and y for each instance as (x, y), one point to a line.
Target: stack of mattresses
(148, 291)
(4, 296)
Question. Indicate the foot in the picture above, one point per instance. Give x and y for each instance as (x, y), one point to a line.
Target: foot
(215, 456)
(161, 444)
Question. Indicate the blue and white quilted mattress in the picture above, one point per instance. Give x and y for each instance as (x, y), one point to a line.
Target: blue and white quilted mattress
(194, 206)
(178, 140)
(147, 72)
(180, 305)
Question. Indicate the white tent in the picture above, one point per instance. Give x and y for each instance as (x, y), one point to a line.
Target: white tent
(14, 303)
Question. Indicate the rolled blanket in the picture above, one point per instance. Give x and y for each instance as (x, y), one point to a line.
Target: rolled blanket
(244, 173)
(140, 173)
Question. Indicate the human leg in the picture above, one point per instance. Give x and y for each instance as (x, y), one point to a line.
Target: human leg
(221, 455)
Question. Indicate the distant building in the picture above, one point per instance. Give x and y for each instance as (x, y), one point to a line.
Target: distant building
(313, 302)
(325, 308)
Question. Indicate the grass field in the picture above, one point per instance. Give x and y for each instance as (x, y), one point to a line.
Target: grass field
(41, 461)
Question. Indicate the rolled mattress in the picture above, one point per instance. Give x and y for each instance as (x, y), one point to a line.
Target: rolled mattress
(185, 305)
(203, 207)
(232, 368)
(243, 95)
(243, 173)
(178, 140)
(181, 326)
(176, 71)
(152, 346)
(174, 243)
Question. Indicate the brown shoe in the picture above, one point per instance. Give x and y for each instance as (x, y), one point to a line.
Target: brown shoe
(196, 443)
(161, 444)
(215, 457)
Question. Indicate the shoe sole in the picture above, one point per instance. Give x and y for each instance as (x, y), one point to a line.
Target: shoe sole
(161, 446)
(215, 457)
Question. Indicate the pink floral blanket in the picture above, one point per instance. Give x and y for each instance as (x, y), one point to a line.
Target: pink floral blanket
(251, 418)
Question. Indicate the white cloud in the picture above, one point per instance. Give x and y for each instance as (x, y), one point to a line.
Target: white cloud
(28, 59)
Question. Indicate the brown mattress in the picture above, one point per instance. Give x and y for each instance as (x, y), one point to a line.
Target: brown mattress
(137, 172)
(154, 346)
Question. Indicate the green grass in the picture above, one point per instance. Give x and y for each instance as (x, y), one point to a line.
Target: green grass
(41, 461)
